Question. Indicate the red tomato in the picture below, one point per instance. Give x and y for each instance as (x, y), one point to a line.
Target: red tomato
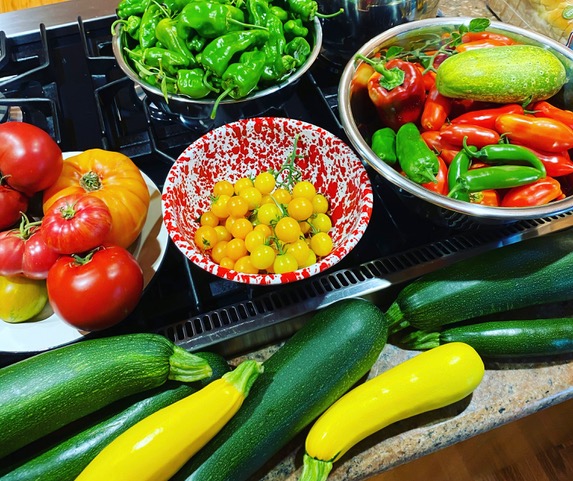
(12, 204)
(23, 252)
(30, 159)
(98, 291)
(76, 223)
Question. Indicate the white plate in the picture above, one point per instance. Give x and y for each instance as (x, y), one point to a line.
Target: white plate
(50, 331)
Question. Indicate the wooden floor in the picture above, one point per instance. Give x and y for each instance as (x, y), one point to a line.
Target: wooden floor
(536, 448)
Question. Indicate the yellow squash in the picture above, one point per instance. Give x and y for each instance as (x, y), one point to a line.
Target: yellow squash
(155, 448)
(433, 379)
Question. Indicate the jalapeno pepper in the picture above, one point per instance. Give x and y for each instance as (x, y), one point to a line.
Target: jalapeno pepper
(416, 159)
(506, 154)
(397, 91)
(384, 145)
(496, 177)
(218, 53)
(540, 192)
(541, 133)
(545, 109)
(460, 165)
(486, 117)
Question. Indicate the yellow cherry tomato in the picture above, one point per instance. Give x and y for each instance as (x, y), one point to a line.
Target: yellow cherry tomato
(265, 182)
(22, 298)
(241, 227)
(252, 196)
(237, 206)
(227, 263)
(299, 250)
(208, 218)
(268, 214)
(321, 244)
(242, 183)
(321, 223)
(223, 233)
(235, 249)
(304, 188)
(206, 237)
(219, 251)
(284, 263)
(223, 187)
(282, 196)
(300, 208)
(254, 239)
(219, 207)
(263, 257)
(245, 266)
(287, 230)
(319, 204)
(265, 229)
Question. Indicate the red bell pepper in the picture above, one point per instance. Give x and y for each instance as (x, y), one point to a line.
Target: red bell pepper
(436, 110)
(545, 109)
(477, 136)
(473, 36)
(487, 117)
(540, 192)
(398, 93)
(433, 140)
(540, 133)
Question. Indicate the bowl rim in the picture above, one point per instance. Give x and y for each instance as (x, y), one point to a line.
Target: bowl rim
(393, 176)
(297, 74)
(363, 214)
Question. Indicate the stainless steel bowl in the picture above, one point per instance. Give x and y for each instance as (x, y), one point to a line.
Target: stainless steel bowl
(200, 109)
(364, 19)
(358, 121)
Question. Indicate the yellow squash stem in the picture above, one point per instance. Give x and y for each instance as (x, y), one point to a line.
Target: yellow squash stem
(431, 380)
(155, 448)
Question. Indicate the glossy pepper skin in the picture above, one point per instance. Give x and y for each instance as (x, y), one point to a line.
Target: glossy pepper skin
(166, 33)
(436, 110)
(159, 57)
(545, 109)
(397, 91)
(192, 83)
(157, 446)
(507, 154)
(540, 192)
(383, 144)
(417, 160)
(496, 177)
(125, 8)
(541, 133)
(218, 53)
(487, 117)
(149, 20)
(299, 49)
(242, 77)
(278, 63)
(211, 19)
(475, 135)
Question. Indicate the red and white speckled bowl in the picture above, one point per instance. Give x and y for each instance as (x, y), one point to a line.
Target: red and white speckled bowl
(247, 147)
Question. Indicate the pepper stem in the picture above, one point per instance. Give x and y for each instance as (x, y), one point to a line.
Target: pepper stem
(329, 15)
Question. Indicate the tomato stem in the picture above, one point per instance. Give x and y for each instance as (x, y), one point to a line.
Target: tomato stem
(90, 181)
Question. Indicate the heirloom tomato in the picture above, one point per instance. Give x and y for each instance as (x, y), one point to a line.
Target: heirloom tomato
(12, 204)
(115, 179)
(30, 160)
(96, 291)
(23, 252)
(22, 298)
(76, 223)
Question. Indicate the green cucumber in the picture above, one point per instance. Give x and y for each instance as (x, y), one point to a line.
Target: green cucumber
(64, 460)
(324, 359)
(515, 338)
(507, 74)
(528, 273)
(45, 392)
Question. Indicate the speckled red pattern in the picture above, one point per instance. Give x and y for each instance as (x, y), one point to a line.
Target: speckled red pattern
(250, 146)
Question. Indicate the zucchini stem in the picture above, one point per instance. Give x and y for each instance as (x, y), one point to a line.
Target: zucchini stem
(187, 367)
(315, 469)
(244, 375)
(395, 318)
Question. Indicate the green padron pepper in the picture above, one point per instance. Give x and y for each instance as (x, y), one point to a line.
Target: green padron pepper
(299, 49)
(210, 19)
(242, 77)
(306, 10)
(191, 83)
(218, 53)
(129, 25)
(151, 17)
(295, 28)
(166, 33)
(126, 8)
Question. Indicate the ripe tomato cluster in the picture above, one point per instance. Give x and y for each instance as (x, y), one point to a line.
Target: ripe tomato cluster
(67, 243)
(263, 226)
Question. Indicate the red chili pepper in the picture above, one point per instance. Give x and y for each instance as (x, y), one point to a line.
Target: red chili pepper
(360, 78)
(477, 136)
(486, 117)
(429, 77)
(540, 192)
(540, 133)
(436, 110)
(557, 164)
(473, 36)
(398, 93)
(441, 184)
(545, 109)
(433, 140)
(481, 43)
(489, 197)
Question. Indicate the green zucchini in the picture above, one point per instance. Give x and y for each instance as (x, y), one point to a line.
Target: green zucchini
(64, 459)
(515, 338)
(316, 366)
(531, 272)
(507, 74)
(45, 392)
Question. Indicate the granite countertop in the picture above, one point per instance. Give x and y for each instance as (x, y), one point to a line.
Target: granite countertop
(508, 392)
